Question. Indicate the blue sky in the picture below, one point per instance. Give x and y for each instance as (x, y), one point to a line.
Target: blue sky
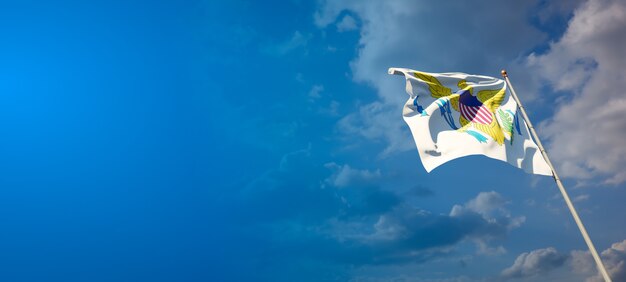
(263, 141)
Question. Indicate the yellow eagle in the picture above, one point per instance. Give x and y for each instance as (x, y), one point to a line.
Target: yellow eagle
(476, 112)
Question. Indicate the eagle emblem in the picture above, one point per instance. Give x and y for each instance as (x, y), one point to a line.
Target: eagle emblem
(477, 111)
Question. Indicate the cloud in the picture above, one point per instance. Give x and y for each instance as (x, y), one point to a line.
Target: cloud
(410, 278)
(484, 203)
(408, 234)
(331, 110)
(540, 262)
(581, 198)
(303, 191)
(315, 91)
(491, 207)
(582, 262)
(587, 131)
(347, 23)
(614, 259)
(297, 40)
(344, 175)
(535, 263)
(557, 10)
(587, 61)
(298, 206)
(378, 121)
(291, 191)
(338, 218)
(401, 34)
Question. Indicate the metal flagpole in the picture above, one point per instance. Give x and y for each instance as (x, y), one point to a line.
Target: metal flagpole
(594, 253)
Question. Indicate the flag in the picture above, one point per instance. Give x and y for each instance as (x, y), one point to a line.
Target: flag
(453, 115)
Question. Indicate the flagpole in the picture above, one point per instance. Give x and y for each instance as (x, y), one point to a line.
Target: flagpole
(581, 227)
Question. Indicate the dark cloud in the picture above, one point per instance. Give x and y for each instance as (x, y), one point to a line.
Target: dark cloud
(408, 234)
(291, 216)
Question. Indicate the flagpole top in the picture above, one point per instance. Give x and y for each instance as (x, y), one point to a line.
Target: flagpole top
(504, 74)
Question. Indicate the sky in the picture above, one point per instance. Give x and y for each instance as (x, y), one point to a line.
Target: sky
(263, 141)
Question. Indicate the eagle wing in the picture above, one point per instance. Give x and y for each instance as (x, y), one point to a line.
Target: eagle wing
(437, 90)
(493, 129)
(492, 99)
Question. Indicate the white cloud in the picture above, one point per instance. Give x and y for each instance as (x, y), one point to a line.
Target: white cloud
(486, 202)
(586, 134)
(378, 121)
(297, 40)
(489, 205)
(299, 77)
(582, 262)
(535, 263)
(485, 249)
(315, 91)
(433, 36)
(345, 175)
(581, 198)
(332, 109)
(348, 23)
(614, 259)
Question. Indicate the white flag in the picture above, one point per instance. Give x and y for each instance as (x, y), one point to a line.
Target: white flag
(452, 115)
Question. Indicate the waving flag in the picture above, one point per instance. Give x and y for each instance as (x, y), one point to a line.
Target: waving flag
(452, 115)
